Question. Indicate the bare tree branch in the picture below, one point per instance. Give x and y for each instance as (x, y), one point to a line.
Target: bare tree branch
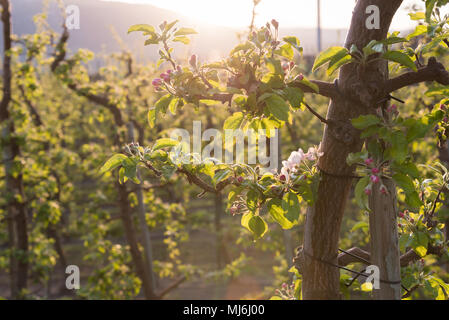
(434, 71)
(353, 255)
(325, 89)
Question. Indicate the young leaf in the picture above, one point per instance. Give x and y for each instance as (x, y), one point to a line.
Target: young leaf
(401, 58)
(277, 106)
(327, 55)
(294, 41)
(164, 142)
(360, 196)
(233, 122)
(278, 214)
(257, 226)
(185, 32)
(365, 121)
(182, 39)
(291, 207)
(145, 28)
(113, 162)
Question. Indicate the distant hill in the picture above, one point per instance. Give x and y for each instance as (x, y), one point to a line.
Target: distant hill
(97, 18)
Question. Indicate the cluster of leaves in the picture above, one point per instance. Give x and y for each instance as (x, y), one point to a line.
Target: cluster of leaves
(258, 78)
(253, 190)
(387, 151)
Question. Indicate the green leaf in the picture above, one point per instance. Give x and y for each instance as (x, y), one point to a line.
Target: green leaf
(337, 61)
(311, 85)
(220, 175)
(286, 51)
(417, 15)
(173, 106)
(294, 96)
(360, 196)
(367, 287)
(419, 243)
(170, 25)
(257, 226)
(399, 147)
(360, 225)
(413, 200)
(252, 199)
(401, 58)
(162, 104)
(365, 121)
(146, 28)
(404, 182)
(327, 55)
(294, 41)
(291, 207)
(113, 162)
(277, 107)
(182, 39)
(419, 30)
(164, 143)
(152, 117)
(404, 241)
(278, 214)
(185, 32)
(245, 220)
(233, 122)
(121, 176)
(430, 4)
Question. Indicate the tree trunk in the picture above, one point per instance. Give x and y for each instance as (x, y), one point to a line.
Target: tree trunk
(359, 89)
(16, 213)
(384, 241)
(131, 239)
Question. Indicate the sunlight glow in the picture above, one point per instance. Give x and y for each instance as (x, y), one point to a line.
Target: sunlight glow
(290, 13)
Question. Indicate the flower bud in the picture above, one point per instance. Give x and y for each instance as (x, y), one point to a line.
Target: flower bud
(282, 177)
(156, 82)
(240, 179)
(368, 191)
(300, 77)
(275, 24)
(374, 179)
(267, 35)
(401, 214)
(165, 77)
(233, 210)
(383, 190)
(375, 170)
(193, 60)
(443, 107)
(369, 161)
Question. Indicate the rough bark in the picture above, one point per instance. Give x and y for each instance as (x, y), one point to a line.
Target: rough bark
(359, 93)
(384, 241)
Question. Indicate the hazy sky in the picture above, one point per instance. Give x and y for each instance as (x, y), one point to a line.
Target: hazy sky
(290, 13)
